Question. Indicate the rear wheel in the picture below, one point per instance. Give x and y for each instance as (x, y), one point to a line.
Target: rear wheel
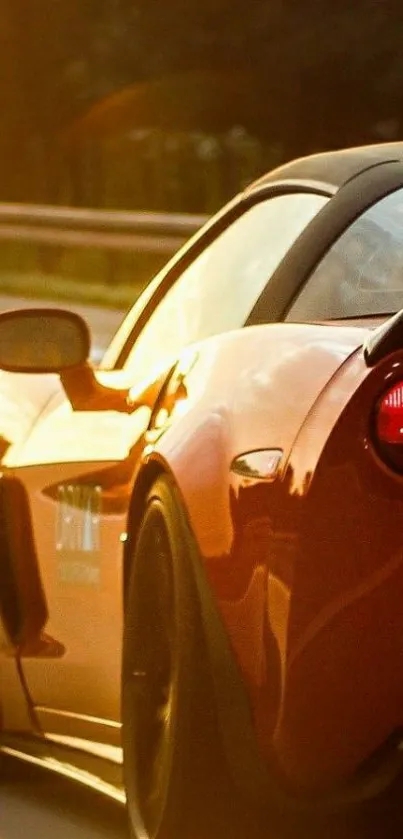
(176, 781)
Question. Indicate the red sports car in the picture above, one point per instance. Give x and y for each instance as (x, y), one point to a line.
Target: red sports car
(201, 573)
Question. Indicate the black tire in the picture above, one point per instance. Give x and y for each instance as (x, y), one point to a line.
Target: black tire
(176, 781)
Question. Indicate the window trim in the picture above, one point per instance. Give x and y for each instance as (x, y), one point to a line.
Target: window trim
(231, 213)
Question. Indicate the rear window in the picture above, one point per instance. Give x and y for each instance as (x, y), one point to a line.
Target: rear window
(362, 274)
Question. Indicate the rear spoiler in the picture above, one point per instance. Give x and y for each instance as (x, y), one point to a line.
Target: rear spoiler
(384, 340)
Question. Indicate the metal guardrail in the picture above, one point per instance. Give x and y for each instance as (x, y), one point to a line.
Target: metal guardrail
(108, 230)
(88, 256)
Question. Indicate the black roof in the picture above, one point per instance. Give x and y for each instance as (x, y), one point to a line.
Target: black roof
(334, 168)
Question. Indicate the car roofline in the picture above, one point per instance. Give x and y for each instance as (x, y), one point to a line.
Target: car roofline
(289, 185)
(333, 168)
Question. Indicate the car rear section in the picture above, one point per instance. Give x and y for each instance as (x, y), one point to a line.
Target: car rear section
(341, 699)
(296, 517)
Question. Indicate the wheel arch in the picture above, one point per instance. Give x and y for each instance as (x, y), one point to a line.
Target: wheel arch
(234, 714)
(146, 477)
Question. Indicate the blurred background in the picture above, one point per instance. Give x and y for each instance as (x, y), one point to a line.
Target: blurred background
(174, 105)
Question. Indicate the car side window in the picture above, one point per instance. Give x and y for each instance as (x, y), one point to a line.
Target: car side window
(217, 292)
(362, 273)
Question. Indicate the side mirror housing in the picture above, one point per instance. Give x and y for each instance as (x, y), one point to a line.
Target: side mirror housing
(42, 341)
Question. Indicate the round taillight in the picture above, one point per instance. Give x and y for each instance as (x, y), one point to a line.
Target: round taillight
(389, 425)
(390, 416)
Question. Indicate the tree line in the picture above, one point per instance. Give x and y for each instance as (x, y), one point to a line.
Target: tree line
(176, 105)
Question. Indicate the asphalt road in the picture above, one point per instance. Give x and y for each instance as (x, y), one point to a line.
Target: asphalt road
(39, 805)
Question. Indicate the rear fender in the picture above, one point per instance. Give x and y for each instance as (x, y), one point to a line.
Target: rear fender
(321, 422)
(247, 390)
(345, 610)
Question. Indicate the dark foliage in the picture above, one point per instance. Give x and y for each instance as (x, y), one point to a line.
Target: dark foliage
(78, 78)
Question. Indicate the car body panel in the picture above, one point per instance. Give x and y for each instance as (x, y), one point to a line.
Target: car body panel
(346, 617)
(22, 400)
(282, 374)
(79, 550)
(302, 565)
(67, 449)
(16, 711)
(266, 545)
(79, 672)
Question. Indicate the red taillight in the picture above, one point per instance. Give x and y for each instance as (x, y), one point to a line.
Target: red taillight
(389, 420)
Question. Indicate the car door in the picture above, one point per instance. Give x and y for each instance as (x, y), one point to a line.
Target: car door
(77, 467)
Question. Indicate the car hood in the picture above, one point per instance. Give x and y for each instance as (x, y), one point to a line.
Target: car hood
(22, 400)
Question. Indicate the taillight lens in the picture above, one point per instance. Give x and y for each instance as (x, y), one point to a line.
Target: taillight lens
(390, 416)
(389, 425)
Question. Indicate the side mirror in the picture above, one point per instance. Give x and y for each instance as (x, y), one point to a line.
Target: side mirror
(42, 341)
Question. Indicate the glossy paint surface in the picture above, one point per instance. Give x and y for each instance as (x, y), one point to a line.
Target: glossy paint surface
(268, 433)
(342, 690)
(292, 384)
(295, 574)
(298, 566)
(76, 668)
(79, 547)
(308, 570)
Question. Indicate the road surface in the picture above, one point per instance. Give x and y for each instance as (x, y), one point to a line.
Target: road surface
(38, 805)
